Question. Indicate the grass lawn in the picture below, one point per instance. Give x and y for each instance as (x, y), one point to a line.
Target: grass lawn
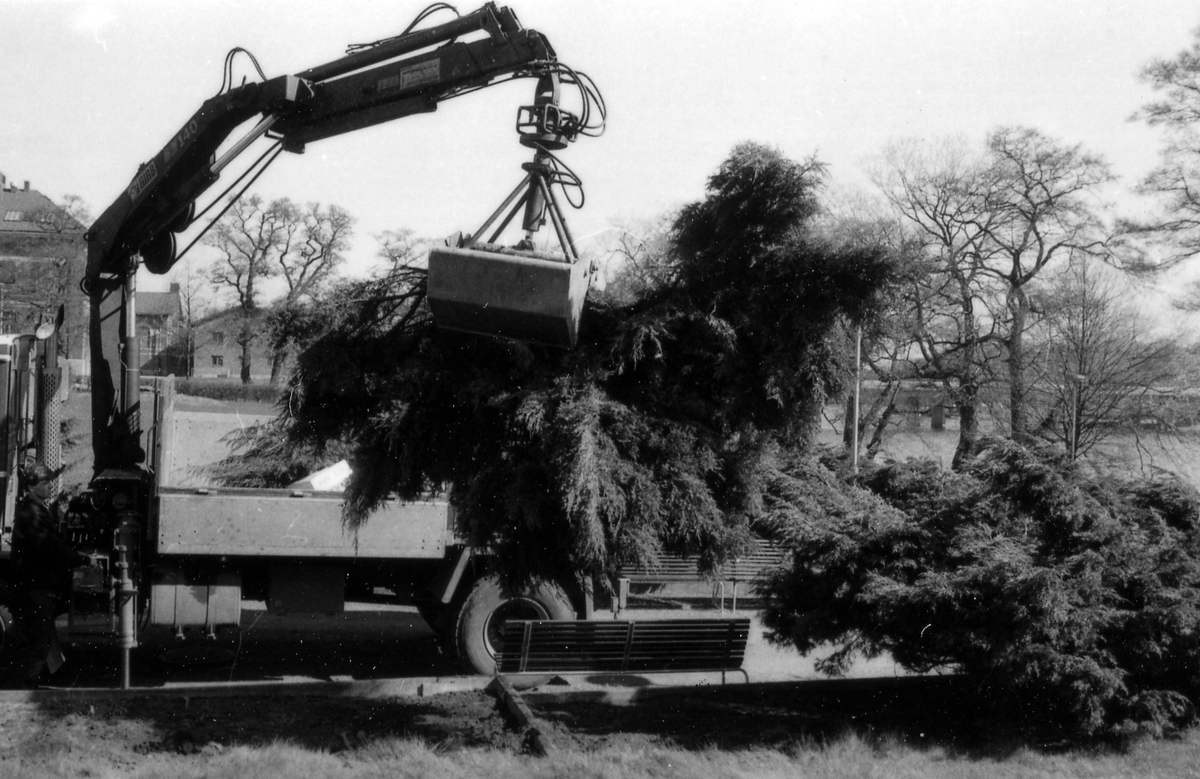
(463, 735)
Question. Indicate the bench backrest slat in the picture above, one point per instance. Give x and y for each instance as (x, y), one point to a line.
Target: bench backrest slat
(623, 646)
(673, 568)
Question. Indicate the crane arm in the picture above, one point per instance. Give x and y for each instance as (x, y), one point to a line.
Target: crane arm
(405, 75)
(366, 88)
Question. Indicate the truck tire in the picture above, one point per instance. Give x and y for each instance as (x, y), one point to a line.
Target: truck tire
(487, 607)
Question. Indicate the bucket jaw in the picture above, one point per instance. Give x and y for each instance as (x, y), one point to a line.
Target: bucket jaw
(514, 292)
(510, 293)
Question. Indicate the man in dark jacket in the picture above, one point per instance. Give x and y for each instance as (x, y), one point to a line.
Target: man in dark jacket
(40, 562)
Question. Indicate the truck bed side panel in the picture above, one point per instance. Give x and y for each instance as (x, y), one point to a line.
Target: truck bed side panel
(268, 523)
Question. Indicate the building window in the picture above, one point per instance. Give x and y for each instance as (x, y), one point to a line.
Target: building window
(218, 337)
(13, 216)
(218, 360)
(149, 340)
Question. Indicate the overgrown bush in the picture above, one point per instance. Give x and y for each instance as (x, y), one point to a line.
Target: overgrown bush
(653, 434)
(227, 389)
(1071, 600)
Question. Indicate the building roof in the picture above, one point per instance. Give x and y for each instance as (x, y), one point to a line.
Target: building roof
(25, 210)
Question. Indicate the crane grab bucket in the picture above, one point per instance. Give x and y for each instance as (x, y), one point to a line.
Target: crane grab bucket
(509, 293)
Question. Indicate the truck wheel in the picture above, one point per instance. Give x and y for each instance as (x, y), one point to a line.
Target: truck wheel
(486, 609)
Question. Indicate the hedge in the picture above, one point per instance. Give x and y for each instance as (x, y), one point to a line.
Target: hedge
(228, 389)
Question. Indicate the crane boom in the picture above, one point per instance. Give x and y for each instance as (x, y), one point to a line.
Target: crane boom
(401, 76)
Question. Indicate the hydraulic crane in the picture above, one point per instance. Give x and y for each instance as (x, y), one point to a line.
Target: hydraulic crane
(473, 285)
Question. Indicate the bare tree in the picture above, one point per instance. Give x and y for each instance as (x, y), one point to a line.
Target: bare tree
(306, 264)
(638, 257)
(399, 248)
(311, 261)
(1042, 206)
(987, 225)
(193, 305)
(258, 241)
(249, 236)
(1096, 374)
(946, 298)
(1176, 179)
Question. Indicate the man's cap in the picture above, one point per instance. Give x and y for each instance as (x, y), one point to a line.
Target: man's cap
(39, 473)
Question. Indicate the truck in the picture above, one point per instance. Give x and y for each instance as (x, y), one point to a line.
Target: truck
(173, 555)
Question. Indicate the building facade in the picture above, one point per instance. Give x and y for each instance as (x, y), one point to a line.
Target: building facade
(42, 258)
(217, 352)
(159, 327)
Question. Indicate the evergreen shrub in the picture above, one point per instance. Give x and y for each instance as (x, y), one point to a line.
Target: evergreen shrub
(1073, 602)
(650, 436)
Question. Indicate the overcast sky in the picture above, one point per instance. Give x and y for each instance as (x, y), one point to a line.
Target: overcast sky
(90, 90)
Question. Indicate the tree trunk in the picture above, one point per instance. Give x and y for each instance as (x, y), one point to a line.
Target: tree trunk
(1018, 412)
(885, 417)
(246, 338)
(966, 399)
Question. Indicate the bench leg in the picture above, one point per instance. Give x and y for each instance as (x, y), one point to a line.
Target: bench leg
(622, 596)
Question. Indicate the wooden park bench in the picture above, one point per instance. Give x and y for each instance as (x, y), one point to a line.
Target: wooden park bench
(675, 568)
(623, 646)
